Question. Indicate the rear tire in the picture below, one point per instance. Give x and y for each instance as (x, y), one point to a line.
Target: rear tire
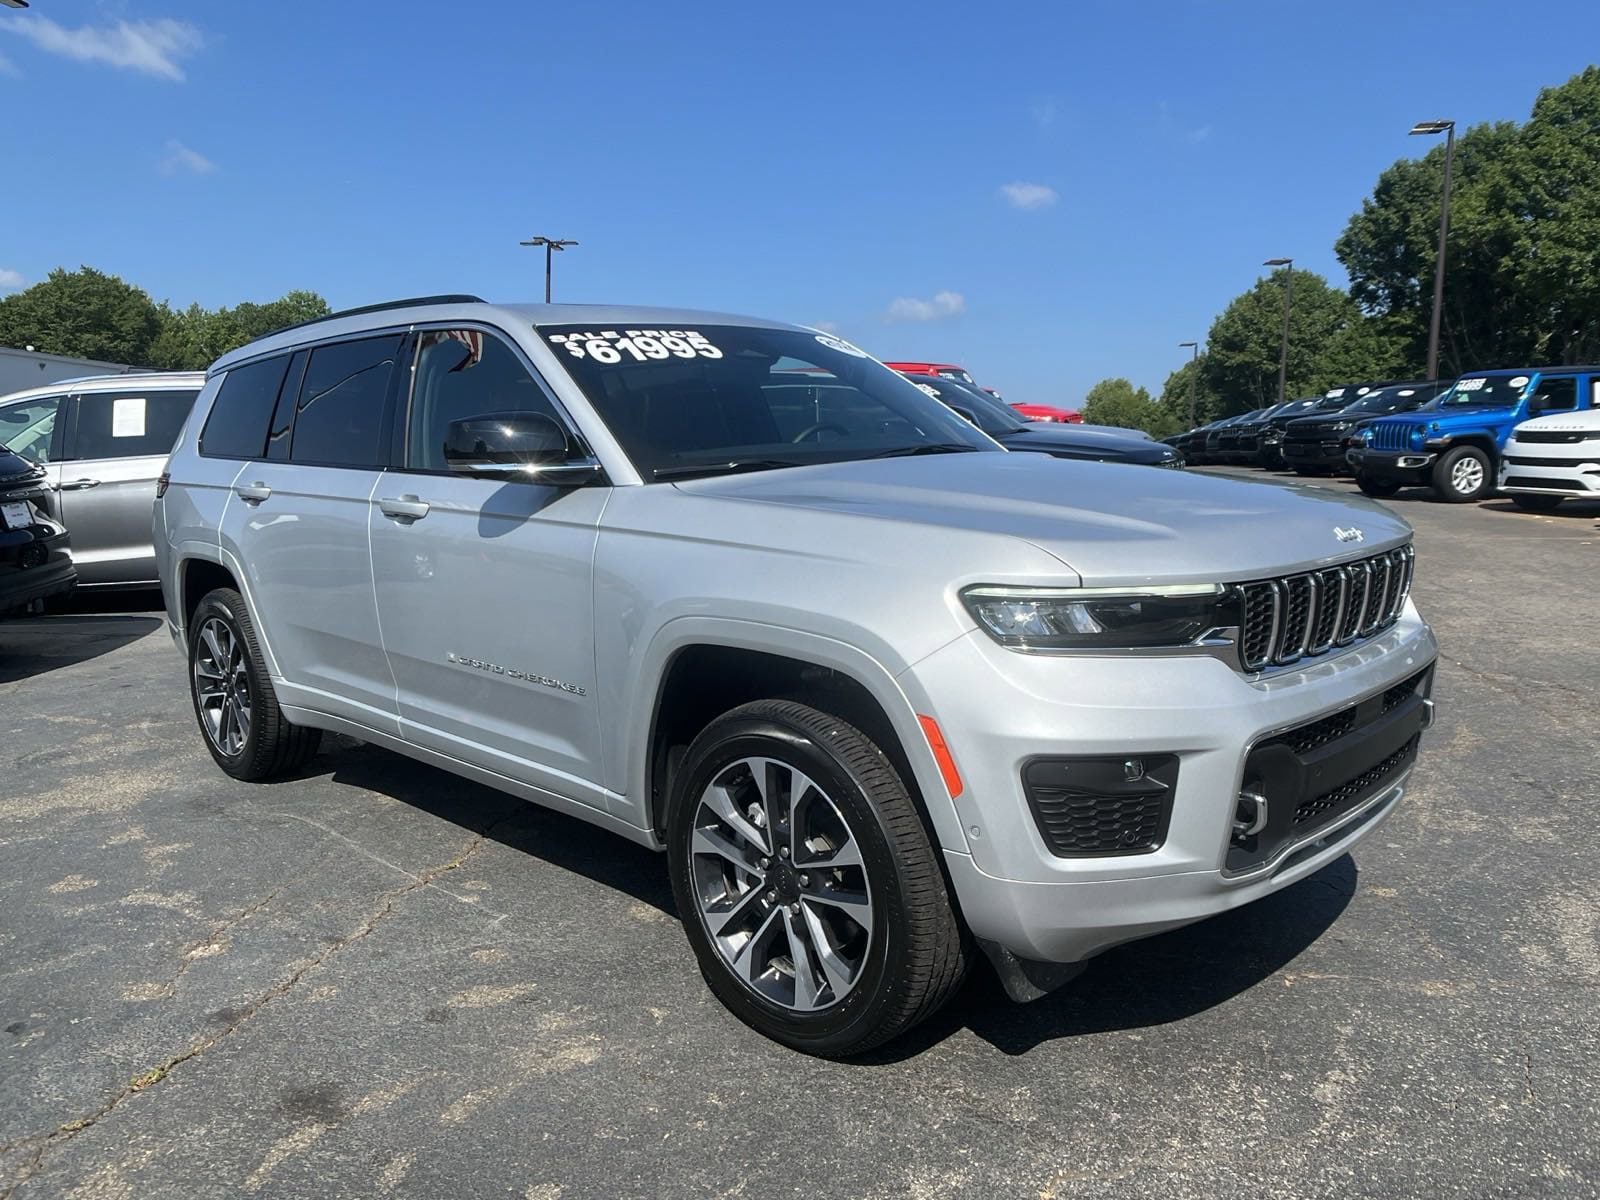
(1536, 503)
(821, 856)
(234, 701)
(1381, 489)
(1463, 475)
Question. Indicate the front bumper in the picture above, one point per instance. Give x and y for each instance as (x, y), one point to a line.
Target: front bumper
(999, 710)
(34, 565)
(1329, 455)
(1571, 470)
(1410, 466)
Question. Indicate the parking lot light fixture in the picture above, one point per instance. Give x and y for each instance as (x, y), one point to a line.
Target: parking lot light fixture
(1283, 347)
(1448, 128)
(1194, 365)
(550, 245)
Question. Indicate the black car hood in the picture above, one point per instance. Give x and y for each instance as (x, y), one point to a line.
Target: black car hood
(17, 471)
(1068, 442)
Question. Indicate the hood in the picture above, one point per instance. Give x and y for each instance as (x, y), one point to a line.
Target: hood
(1074, 441)
(1111, 523)
(16, 470)
(1584, 420)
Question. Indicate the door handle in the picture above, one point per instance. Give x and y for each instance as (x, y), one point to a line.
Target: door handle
(252, 493)
(80, 485)
(405, 509)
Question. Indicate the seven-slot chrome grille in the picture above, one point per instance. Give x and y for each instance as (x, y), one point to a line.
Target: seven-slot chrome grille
(1299, 616)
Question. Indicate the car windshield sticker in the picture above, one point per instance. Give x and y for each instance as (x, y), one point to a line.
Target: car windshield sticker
(127, 417)
(639, 345)
(1471, 385)
(934, 392)
(839, 344)
(1520, 381)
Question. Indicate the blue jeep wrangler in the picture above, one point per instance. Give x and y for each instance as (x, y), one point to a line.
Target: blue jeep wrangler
(1454, 445)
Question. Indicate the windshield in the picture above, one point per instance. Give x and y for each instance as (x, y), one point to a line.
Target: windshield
(718, 398)
(1494, 391)
(1384, 400)
(994, 417)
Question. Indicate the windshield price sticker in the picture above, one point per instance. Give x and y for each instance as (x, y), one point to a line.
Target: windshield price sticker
(1520, 381)
(640, 345)
(839, 344)
(1471, 385)
(932, 391)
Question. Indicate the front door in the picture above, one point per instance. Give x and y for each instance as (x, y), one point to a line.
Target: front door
(117, 444)
(34, 429)
(484, 586)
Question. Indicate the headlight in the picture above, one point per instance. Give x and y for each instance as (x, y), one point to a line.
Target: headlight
(1273, 435)
(1416, 439)
(1101, 618)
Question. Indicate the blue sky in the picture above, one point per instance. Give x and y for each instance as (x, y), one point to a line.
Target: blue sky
(1048, 194)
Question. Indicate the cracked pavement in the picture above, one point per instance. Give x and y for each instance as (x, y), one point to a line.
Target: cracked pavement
(377, 979)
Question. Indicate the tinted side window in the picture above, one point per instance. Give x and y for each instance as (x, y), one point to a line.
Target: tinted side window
(237, 426)
(1555, 394)
(28, 427)
(464, 373)
(129, 424)
(340, 417)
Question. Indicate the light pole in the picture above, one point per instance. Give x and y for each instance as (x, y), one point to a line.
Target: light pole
(1283, 348)
(1448, 128)
(1194, 371)
(550, 245)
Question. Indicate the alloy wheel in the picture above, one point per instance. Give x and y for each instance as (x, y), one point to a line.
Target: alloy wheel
(222, 686)
(780, 884)
(1466, 476)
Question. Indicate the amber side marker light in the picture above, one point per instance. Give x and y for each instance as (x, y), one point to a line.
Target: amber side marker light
(941, 755)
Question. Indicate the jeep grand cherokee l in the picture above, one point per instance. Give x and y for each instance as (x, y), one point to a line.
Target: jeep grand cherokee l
(885, 693)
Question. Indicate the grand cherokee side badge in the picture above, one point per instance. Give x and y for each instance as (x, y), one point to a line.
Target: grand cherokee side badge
(479, 664)
(1348, 535)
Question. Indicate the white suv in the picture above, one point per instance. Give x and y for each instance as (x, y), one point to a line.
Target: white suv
(1551, 459)
(882, 691)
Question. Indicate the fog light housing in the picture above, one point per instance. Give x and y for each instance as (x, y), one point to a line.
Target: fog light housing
(1102, 806)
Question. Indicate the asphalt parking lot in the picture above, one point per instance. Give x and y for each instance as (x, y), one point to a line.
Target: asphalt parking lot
(378, 979)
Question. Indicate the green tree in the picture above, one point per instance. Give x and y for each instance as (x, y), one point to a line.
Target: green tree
(1118, 402)
(1330, 342)
(1175, 395)
(192, 338)
(83, 313)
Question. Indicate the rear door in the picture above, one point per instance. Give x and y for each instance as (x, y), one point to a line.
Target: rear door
(117, 443)
(296, 522)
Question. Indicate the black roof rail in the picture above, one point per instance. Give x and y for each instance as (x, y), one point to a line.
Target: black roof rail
(409, 302)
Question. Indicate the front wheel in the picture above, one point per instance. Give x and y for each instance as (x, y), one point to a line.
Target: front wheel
(1370, 485)
(1535, 503)
(1463, 475)
(808, 887)
(233, 696)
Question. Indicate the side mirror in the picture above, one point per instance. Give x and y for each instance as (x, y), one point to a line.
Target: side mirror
(523, 445)
(966, 414)
(1538, 402)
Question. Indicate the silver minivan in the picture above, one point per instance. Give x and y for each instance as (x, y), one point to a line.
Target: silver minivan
(103, 442)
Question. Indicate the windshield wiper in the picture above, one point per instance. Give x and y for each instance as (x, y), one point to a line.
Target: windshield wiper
(925, 448)
(730, 467)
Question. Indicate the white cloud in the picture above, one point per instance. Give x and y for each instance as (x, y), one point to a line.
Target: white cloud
(150, 47)
(7, 67)
(10, 278)
(1045, 110)
(1029, 195)
(182, 160)
(943, 304)
(1201, 134)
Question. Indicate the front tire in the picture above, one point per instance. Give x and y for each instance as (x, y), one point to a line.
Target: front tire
(1536, 503)
(1380, 489)
(1463, 475)
(233, 697)
(806, 881)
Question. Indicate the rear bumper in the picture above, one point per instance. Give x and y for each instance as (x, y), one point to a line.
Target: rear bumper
(22, 585)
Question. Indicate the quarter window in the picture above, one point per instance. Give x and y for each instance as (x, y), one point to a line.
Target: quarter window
(340, 418)
(28, 427)
(129, 424)
(465, 373)
(237, 426)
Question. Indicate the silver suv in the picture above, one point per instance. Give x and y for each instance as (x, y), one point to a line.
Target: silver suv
(102, 442)
(884, 693)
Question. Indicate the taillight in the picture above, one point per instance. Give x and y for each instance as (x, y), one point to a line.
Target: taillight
(161, 484)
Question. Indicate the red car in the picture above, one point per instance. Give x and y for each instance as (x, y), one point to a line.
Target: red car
(942, 370)
(1049, 412)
